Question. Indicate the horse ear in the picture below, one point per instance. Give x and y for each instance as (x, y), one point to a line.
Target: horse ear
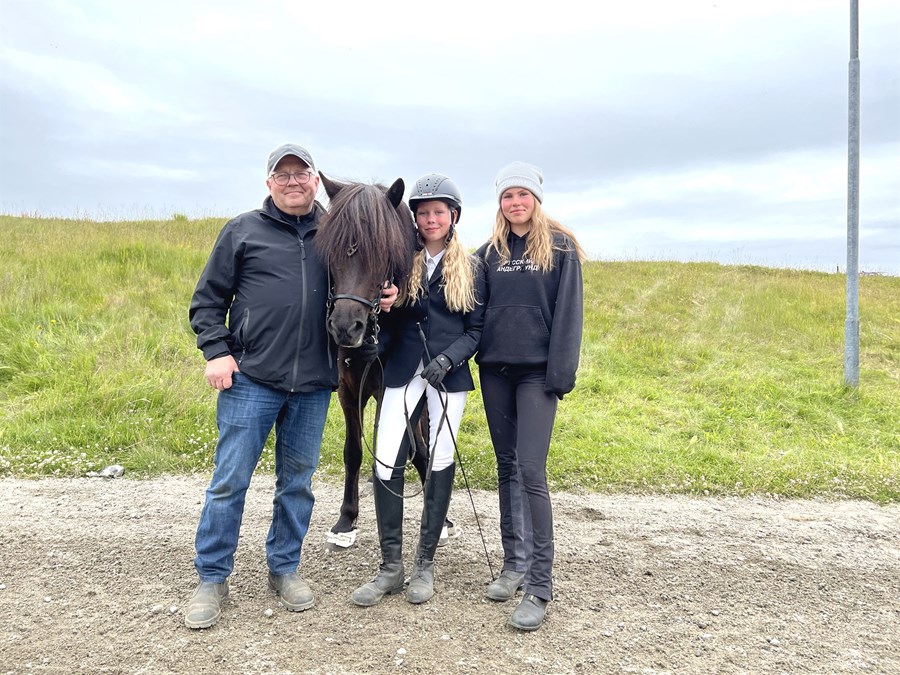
(331, 187)
(395, 192)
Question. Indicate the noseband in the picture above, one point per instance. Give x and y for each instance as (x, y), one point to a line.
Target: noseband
(373, 304)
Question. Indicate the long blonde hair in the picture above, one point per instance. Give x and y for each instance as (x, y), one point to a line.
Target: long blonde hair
(540, 238)
(459, 278)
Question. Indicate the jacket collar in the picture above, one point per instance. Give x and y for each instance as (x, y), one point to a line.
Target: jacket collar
(309, 221)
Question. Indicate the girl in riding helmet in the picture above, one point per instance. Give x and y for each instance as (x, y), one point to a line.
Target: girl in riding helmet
(527, 361)
(426, 342)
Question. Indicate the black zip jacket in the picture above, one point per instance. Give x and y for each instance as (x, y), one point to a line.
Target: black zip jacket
(265, 276)
(453, 334)
(532, 317)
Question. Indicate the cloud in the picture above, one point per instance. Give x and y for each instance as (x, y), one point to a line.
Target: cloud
(685, 124)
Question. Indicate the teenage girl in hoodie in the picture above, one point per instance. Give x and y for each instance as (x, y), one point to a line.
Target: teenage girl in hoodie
(527, 361)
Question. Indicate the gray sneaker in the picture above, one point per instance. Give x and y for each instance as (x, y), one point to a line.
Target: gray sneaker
(295, 593)
(504, 587)
(205, 606)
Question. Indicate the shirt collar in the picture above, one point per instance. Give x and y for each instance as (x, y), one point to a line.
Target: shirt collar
(435, 259)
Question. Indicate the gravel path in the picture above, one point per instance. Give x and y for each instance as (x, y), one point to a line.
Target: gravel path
(94, 572)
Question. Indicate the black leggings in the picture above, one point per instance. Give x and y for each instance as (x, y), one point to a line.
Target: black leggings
(520, 415)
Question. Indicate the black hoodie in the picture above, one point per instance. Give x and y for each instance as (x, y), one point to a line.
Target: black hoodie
(533, 317)
(265, 275)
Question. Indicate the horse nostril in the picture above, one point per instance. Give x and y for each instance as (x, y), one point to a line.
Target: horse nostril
(358, 328)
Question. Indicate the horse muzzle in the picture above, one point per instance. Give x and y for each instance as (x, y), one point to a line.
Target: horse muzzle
(347, 323)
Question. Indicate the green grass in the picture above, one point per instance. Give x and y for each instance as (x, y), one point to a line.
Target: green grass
(695, 378)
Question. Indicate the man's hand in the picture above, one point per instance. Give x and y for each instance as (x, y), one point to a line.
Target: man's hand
(435, 371)
(388, 296)
(219, 370)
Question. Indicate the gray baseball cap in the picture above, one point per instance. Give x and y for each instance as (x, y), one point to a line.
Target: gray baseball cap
(283, 151)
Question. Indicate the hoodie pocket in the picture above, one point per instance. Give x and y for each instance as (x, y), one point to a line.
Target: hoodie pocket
(513, 333)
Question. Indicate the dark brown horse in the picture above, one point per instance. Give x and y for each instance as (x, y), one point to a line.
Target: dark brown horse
(367, 237)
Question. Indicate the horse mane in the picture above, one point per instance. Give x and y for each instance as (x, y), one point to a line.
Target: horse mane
(361, 227)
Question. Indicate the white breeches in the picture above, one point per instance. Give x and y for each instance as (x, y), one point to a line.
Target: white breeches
(392, 427)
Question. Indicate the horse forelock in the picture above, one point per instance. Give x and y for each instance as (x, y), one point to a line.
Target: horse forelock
(360, 219)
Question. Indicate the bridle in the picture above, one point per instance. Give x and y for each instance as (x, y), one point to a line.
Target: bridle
(373, 304)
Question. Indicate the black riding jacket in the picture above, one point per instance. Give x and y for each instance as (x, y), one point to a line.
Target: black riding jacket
(265, 276)
(453, 334)
(533, 317)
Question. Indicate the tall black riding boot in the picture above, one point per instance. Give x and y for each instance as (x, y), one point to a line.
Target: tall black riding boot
(389, 514)
(437, 503)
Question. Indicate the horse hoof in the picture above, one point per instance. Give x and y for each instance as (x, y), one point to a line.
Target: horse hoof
(338, 541)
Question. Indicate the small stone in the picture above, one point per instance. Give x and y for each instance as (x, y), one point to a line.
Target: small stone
(47, 598)
(715, 612)
(269, 612)
(607, 633)
(156, 609)
(401, 652)
(173, 609)
(445, 637)
(775, 642)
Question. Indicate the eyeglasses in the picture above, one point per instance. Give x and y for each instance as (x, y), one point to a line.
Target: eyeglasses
(283, 178)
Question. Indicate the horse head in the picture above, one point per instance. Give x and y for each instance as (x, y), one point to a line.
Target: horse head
(366, 238)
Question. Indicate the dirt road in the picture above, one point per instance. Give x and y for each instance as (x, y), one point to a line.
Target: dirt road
(94, 573)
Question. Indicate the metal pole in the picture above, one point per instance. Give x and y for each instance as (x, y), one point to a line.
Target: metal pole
(851, 325)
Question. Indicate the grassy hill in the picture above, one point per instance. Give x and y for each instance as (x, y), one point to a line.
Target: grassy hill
(695, 378)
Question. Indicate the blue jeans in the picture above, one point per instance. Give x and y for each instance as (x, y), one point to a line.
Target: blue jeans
(245, 416)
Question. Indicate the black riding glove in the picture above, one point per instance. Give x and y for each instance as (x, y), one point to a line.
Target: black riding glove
(435, 371)
(368, 351)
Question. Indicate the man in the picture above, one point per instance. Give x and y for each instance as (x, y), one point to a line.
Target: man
(273, 364)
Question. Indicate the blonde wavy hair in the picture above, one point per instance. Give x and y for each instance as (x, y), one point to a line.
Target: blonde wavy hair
(459, 277)
(540, 238)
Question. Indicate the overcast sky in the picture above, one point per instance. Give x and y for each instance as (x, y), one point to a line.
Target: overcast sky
(665, 130)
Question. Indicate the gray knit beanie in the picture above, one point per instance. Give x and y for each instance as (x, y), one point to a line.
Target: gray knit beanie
(520, 174)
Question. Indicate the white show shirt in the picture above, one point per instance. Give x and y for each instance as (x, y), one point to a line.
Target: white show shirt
(432, 263)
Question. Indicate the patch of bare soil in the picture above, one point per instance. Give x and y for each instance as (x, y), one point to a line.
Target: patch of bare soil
(94, 573)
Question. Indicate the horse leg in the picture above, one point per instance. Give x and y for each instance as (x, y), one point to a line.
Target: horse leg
(420, 452)
(343, 534)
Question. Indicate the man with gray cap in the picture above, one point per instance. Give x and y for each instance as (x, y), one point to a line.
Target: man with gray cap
(259, 314)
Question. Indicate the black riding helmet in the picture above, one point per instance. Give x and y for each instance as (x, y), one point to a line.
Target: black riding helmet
(435, 186)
